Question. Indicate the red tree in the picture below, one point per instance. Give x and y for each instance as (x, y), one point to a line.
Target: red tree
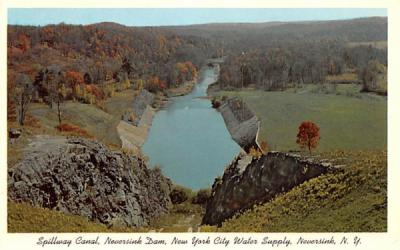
(74, 78)
(308, 135)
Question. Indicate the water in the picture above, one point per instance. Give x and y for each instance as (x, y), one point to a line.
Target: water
(189, 140)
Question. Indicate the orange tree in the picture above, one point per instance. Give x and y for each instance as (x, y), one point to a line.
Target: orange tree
(308, 135)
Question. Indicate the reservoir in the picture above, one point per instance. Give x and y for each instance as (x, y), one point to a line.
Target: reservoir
(189, 141)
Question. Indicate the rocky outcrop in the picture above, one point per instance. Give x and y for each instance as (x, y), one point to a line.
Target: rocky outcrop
(82, 177)
(250, 181)
(241, 122)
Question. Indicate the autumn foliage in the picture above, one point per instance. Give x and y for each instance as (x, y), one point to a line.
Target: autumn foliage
(264, 146)
(185, 71)
(74, 78)
(73, 129)
(154, 84)
(94, 90)
(308, 135)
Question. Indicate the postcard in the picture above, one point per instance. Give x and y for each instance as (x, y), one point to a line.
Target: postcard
(243, 126)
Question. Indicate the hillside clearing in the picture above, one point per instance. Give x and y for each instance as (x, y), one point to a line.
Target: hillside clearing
(354, 121)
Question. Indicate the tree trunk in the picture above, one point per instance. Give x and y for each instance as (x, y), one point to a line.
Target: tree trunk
(59, 112)
(21, 111)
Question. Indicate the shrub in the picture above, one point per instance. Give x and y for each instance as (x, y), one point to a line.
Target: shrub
(202, 197)
(224, 98)
(127, 151)
(95, 91)
(109, 90)
(255, 152)
(155, 84)
(180, 194)
(124, 85)
(73, 129)
(215, 103)
(31, 121)
(264, 146)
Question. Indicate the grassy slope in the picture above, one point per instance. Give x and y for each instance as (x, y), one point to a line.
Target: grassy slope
(24, 218)
(352, 121)
(120, 102)
(353, 200)
(100, 123)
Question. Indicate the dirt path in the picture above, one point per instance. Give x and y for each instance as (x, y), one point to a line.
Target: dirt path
(187, 223)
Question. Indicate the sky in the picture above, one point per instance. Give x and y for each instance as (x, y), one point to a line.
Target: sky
(160, 17)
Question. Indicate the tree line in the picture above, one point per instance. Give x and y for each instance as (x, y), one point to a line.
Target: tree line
(291, 64)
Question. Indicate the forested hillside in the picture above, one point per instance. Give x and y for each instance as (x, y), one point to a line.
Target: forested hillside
(89, 63)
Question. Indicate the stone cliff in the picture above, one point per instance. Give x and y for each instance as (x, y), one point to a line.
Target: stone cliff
(82, 177)
(247, 181)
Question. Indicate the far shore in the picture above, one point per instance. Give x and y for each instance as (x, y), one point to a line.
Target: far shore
(133, 137)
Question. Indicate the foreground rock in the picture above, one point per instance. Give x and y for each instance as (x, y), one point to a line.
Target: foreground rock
(247, 182)
(241, 122)
(83, 177)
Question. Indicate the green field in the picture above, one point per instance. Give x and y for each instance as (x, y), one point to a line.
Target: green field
(347, 119)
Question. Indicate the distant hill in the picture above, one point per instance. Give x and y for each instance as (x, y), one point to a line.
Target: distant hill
(352, 30)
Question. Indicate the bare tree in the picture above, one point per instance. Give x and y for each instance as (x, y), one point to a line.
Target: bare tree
(23, 92)
(58, 93)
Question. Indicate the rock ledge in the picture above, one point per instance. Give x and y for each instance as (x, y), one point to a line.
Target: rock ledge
(82, 177)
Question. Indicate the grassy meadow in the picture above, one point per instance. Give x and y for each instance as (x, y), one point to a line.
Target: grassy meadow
(347, 119)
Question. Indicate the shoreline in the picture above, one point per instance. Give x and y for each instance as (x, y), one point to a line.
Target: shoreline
(133, 137)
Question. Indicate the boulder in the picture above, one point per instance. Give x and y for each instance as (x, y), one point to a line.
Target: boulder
(83, 177)
(247, 181)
